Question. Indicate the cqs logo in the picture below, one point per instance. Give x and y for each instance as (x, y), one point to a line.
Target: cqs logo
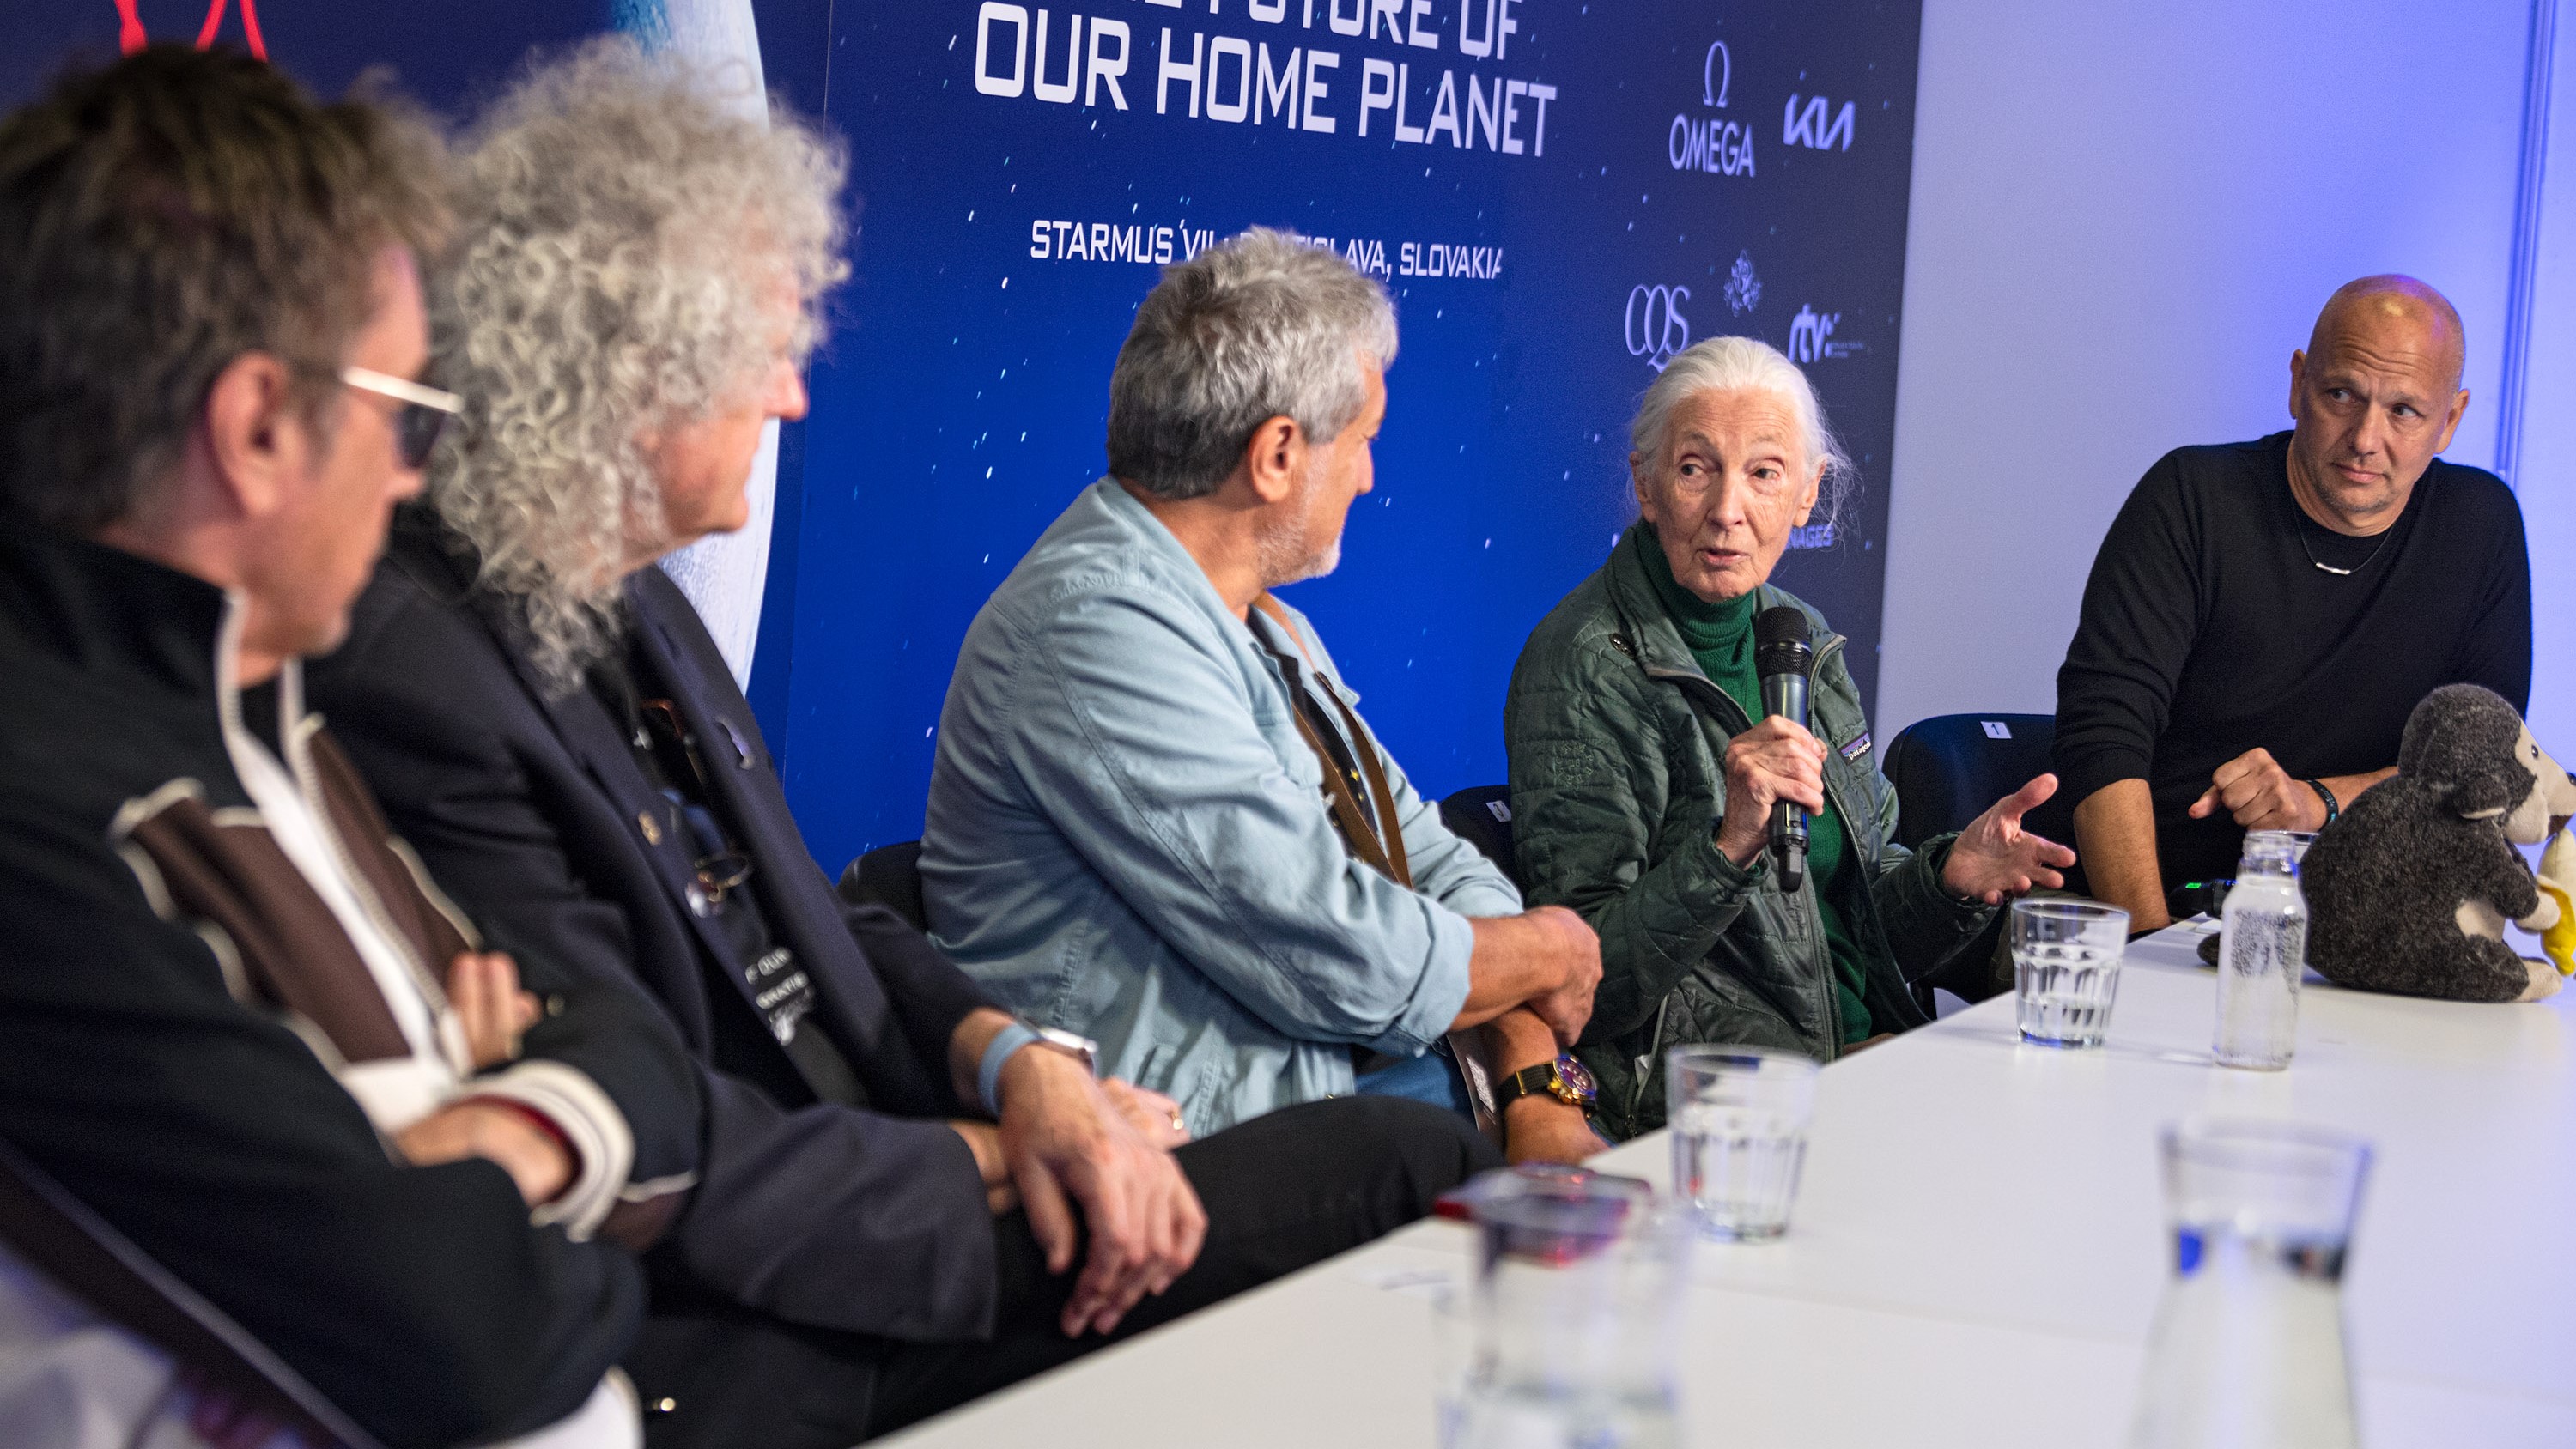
(1808, 128)
(1710, 143)
(1811, 336)
(1743, 288)
(1656, 328)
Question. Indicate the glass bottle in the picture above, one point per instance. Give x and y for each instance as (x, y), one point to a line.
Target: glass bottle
(2262, 953)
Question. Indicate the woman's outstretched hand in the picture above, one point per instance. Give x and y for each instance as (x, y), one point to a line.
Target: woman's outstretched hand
(1994, 859)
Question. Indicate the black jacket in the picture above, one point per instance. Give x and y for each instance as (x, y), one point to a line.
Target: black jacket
(204, 1128)
(530, 808)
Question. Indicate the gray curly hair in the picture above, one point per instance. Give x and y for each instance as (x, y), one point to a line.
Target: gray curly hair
(600, 291)
(1256, 327)
(1726, 364)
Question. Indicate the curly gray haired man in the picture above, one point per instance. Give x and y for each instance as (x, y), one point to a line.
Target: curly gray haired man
(908, 1197)
(640, 276)
(1155, 817)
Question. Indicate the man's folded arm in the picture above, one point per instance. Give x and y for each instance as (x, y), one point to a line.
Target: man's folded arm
(825, 1215)
(460, 801)
(1132, 734)
(420, 1300)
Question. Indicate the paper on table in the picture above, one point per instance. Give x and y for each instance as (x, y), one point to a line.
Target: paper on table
(1413, 1280)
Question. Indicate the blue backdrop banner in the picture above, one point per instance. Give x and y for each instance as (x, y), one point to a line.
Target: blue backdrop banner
(1559, 195)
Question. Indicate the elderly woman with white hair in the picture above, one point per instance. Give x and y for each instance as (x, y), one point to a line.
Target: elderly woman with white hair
(1644, 768)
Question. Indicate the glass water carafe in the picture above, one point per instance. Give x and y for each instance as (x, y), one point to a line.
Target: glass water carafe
(2248, 1346)
(1574, 1322)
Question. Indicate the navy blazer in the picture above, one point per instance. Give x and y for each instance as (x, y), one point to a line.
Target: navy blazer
(530, 809)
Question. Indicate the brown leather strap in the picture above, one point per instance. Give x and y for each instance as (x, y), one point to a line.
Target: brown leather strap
(1380, 847)
(1362, 839)
(1380, 795)
(1382, 850)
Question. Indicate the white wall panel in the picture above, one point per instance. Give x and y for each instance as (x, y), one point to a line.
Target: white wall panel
(2548, 481)
(2124, 219)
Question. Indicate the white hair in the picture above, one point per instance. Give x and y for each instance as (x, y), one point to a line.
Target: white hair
(1256, 327)
(624, 231)
(1731, 364)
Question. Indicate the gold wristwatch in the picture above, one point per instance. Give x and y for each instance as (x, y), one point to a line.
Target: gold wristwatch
(1566, 1079)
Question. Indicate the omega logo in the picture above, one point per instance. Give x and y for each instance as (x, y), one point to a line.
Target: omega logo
(1712, 144)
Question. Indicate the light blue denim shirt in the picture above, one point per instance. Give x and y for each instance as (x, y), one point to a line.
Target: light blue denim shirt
(1127, 837)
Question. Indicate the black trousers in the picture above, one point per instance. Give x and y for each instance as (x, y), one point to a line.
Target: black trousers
(1281, 1191)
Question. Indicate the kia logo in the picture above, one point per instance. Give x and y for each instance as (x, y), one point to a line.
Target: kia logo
(1656, 328)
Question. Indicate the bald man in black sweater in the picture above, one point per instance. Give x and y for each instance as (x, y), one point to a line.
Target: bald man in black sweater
(2263, 616)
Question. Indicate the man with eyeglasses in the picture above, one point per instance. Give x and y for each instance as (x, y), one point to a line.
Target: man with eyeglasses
(237, 1020)
(419, 421)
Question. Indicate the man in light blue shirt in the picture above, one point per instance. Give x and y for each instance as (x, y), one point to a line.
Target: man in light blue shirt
(1135, 831)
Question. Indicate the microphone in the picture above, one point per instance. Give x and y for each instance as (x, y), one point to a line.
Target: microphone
(1781, 657)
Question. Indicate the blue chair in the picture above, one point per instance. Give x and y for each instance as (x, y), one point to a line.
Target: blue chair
(1949, 768)
(1481, 815)
(888, 876)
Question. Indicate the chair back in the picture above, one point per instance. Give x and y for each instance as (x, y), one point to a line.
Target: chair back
(60, 1237)
(888, 876)
(1481, 815)
(1949, 768)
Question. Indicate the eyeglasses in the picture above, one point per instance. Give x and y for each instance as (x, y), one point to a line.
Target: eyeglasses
(421, 419)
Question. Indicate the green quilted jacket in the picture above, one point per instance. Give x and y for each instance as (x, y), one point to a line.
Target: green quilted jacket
(1617, 741)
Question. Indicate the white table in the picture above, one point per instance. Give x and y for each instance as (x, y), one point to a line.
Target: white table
(1978, 1249)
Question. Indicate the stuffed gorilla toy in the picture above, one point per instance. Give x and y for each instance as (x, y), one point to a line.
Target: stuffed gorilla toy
(2409, 890)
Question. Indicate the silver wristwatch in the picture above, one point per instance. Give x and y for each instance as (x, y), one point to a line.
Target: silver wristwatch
(1081, 1048)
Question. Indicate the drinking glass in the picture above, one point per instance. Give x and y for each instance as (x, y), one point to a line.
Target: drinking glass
(1573, 1321)
(2262, 953)
(2066, 969)
(1739, 1126)
(2248, 1344)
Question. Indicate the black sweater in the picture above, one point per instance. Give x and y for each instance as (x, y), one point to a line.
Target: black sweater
(2207, 631)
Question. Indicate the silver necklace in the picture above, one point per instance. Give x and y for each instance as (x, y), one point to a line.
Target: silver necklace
(2356, 568)
(2299, 522)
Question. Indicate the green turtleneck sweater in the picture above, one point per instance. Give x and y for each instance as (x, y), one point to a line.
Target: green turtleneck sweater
(1720, 637)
